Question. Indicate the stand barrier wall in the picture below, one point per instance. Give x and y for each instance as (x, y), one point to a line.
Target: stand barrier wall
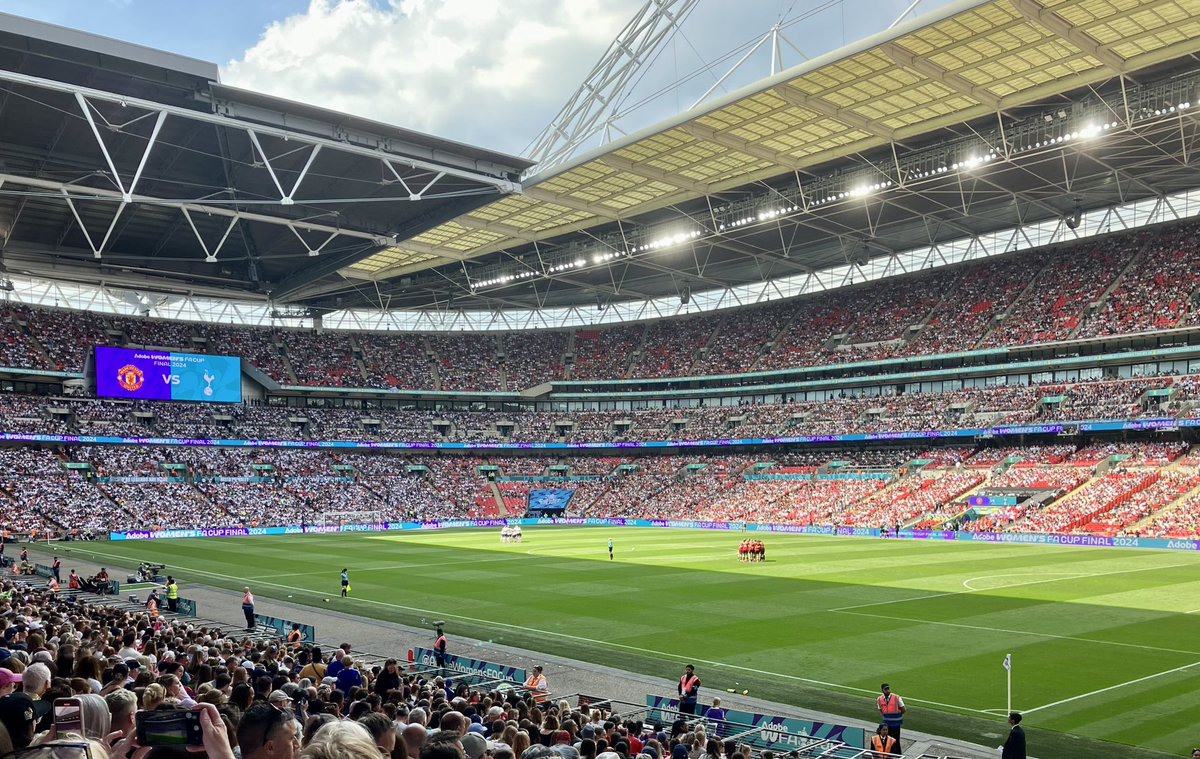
(763, 731)
(424, 658)
(858, 532)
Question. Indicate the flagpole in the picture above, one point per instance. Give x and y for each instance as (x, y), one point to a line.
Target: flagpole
(1008, 677)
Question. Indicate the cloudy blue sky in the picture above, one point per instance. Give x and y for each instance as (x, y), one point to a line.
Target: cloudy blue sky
(486, 72)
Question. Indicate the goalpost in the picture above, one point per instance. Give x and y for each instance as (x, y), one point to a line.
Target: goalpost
(368, 516)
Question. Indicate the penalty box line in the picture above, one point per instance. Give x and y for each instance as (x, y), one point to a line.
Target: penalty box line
(551, 633)
(1112, 688)
(1061, 578)
(1052, 636)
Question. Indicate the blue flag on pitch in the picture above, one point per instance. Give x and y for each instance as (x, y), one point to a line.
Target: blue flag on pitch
(1008, 662)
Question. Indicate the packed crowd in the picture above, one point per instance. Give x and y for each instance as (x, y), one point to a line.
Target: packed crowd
(1114, 285)
(974, 408)
(1101, 486)
(261, 698)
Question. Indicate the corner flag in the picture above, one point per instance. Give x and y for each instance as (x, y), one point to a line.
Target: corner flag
(1008, 678)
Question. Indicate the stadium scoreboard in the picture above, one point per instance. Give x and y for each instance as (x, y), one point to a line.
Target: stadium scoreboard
(163, 376)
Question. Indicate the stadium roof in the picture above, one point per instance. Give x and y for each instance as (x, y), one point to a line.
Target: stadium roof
(936, 78)
(120, 163)
(986, 115)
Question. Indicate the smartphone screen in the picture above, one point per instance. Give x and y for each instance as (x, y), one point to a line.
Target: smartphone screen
(169, 728)
(68, 717)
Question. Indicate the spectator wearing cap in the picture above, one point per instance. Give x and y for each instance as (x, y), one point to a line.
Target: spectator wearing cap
(349, 678)
(474, 745)
(8, 682)
(18, 717)
(280, 700)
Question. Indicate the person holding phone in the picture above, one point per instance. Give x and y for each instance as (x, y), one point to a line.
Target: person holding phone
(211, 734)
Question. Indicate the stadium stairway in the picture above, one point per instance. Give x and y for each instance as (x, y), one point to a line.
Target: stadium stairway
(36, 344)
(1148, 479)
(632, 359)
(501, 502)
(287, 362)
(1098, 305)
(1002, 317)
(1145, 521)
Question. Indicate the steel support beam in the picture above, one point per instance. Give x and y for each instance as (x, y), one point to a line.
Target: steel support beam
(733, 142)
(500, 184)
(559, 199)
(1048, 19)
(819, 105)
(73, 193)
(928, 68)
(293, 286)
(649, 172)
(603, 88)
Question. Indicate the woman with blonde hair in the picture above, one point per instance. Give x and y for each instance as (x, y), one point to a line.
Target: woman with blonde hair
(509, 735)
(341, 740)
(520, 742)
(153, 697)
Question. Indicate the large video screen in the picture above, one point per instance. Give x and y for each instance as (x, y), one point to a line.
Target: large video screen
(550, 500)
(154, 375)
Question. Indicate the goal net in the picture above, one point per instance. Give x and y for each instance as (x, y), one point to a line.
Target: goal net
(331, 518)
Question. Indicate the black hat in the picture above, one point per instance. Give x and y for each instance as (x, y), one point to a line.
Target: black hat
(17, 713)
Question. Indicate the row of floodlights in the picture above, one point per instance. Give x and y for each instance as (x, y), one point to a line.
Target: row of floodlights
(857, 191)
(971, 162)
(666, 241)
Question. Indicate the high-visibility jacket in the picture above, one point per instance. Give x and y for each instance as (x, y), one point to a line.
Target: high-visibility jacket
(294, 638)
(173, 592)
(882, 746)
(537, 683)
(440, 644)
(689, 687)
(890, 705)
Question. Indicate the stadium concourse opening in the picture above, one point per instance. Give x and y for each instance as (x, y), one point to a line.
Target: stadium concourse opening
(922, 314)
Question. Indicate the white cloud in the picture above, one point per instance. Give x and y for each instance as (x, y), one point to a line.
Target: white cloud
(485, 72)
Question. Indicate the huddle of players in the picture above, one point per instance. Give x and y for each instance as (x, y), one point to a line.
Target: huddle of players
(752, 551)
(510, 534)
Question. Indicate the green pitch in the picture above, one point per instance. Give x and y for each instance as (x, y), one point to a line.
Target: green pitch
(1105, 649)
